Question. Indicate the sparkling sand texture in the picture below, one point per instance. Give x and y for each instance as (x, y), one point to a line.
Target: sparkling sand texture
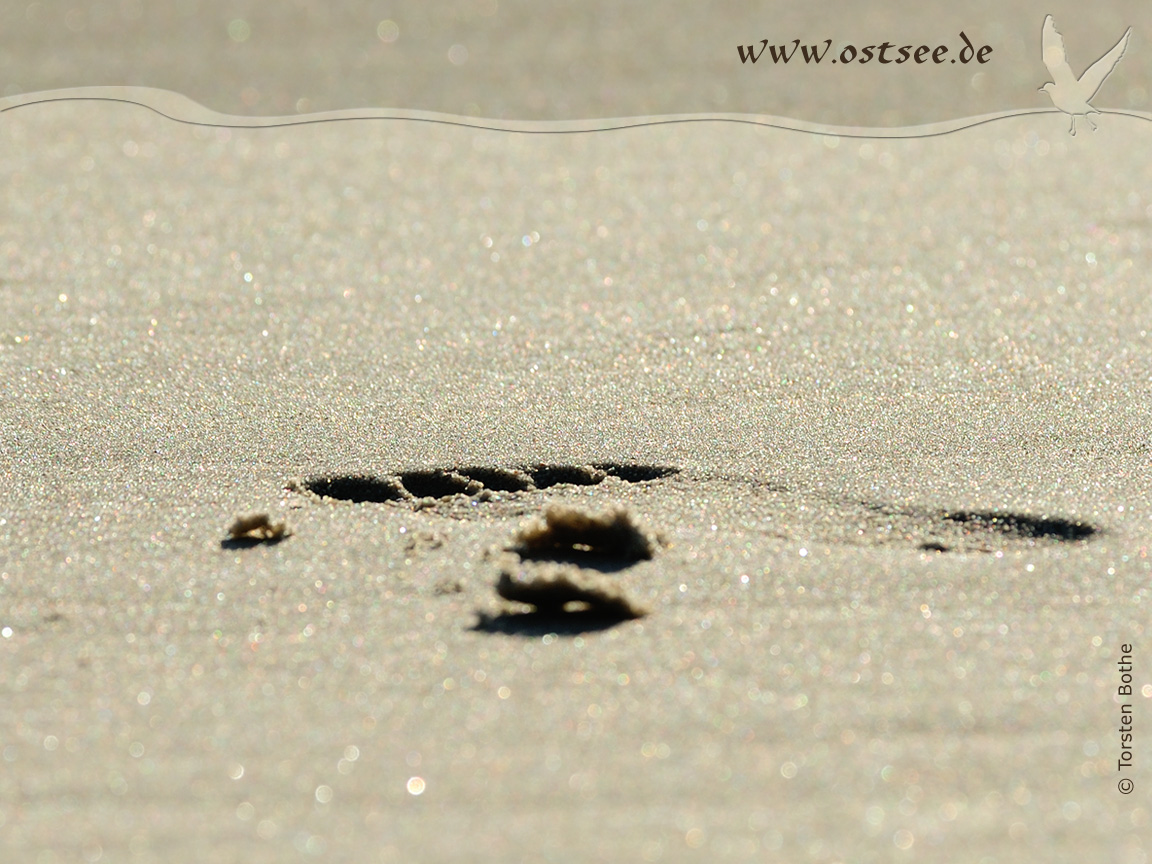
(879, 410)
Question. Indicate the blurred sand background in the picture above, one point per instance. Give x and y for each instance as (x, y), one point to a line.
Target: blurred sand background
(843, 346)
(521, 60)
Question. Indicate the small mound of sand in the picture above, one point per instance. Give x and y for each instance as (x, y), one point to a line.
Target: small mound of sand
(552, 589)
(612, 534)
(258, 526)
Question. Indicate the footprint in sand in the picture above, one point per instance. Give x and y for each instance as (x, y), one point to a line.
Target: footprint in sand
(562, 561)
(774, 509)
(428, 488)
(560, 565)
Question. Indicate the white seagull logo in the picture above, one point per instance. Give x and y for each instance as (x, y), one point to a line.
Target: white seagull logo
(1069, 94)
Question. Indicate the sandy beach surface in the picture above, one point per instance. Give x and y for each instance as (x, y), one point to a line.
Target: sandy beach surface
(886, 403)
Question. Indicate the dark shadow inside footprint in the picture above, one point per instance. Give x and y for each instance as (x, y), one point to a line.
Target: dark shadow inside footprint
(1022, 527)
(544, 623)
(636, 473)
(545, 476)
(498, 479)
(437, 484)
(249, 542)
(474, 479)
(356, 488)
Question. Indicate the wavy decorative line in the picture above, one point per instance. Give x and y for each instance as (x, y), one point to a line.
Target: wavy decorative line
(180, 109)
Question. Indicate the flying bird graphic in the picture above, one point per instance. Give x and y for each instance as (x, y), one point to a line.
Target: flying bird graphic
(1069, 94)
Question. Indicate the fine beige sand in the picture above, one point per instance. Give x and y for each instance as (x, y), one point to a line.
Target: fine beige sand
(885, 404)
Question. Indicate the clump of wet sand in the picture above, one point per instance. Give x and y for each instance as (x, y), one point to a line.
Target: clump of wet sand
(563, 589)
(613, 533)
(258, 527)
